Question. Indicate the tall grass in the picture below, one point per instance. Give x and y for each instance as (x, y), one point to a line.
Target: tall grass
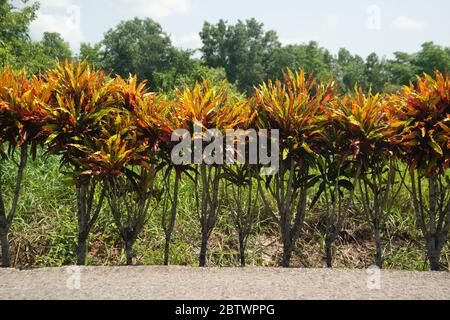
(109, 140)
(45, 232)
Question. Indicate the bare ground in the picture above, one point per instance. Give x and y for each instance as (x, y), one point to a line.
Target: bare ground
(179, 283)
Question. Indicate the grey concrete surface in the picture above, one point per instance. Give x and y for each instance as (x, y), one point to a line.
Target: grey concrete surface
(145, 283)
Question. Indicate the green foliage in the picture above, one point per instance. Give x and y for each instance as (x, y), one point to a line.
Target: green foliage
(241, 49)
(44, 232)
(137, 47)
(14, 37)
(309, 57)
(54, 46)
(246, 52)
(432, 58)
(350, 70)
(402, 70)
(376, 73)
(93, 53)
(118, 132)
(16, 47)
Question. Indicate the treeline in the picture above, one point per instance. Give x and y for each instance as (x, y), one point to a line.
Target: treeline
(345, 152)
(244, 54)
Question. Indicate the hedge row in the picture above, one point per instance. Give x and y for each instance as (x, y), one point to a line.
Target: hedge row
(114, 138)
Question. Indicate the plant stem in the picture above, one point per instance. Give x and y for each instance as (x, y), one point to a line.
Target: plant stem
(7, 219)
(329, 253)
(173, 218)
(86, 215)
(379, 252)
(5, 250)
(129, 252)
(203, 250)
(81, 250)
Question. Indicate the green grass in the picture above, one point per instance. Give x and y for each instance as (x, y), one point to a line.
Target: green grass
(45, 229)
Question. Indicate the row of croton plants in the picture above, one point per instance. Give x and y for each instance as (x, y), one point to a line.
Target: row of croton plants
(116, 141)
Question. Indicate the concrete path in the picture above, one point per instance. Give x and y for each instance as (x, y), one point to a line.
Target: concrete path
(181, 283)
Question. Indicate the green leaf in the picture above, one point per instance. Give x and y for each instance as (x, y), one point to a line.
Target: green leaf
(51, 138)
(307, 148)
(433, 144)
(346, 185)
(318, 194)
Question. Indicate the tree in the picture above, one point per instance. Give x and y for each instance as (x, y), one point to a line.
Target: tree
(124, 165)
(201, 72)
(338, 177)
(431, 58)
(137, 47)
(46, 53)
(214, 47)
(242, 184)
(309, 57)
(162, 120)
(351, 144)
(181, 69)
(240, 49)
(376, 73)
(16, 48)
(92, 53)
(14, 36)
(170, 207)
(54, 46)
(349, 70)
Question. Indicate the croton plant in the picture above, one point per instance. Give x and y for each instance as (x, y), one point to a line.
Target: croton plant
(22, 117)
(420, 122)
(114, 138)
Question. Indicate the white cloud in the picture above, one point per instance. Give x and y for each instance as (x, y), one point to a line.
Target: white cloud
(55, 4)
(405, 23)
(60, 16)
(151, 8)
(190, 41)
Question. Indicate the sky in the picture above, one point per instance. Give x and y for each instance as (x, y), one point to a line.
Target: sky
(363, 27)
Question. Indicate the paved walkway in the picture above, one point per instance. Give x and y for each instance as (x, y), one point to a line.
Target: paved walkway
(230, 284)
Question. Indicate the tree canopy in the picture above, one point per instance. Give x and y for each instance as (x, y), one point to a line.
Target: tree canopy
(244, 54)
(242, 50)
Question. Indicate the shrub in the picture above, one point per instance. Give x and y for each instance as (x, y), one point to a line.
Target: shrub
(356, 153)
(77, 111)
(116, 140)
(421, 126)
(206, 106)
(294, 107)
(21, 127)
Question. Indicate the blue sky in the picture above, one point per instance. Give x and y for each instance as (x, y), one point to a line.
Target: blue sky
(381, 26)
